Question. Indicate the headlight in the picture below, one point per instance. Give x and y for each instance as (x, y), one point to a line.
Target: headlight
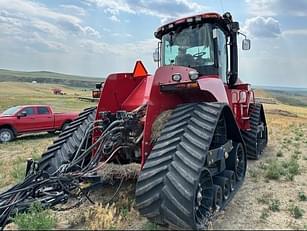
(193, 75)
(176, 77)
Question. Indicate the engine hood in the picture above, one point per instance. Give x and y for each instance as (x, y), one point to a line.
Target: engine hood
(168, 71)
(6, 116)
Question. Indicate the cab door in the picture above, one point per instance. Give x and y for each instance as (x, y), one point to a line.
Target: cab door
(26, 123)
(44, 120)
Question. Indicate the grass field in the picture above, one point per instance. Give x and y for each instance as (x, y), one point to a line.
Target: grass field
(273, 196)
(48, 77)
(13, 93)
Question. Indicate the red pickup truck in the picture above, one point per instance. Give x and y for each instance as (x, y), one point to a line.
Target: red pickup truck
(32, 118)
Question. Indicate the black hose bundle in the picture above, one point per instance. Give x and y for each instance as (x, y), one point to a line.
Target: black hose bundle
(65, 182)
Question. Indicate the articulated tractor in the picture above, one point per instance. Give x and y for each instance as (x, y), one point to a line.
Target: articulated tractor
(191, 128)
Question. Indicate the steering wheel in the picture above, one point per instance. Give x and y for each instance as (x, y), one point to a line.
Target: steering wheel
(199, 54)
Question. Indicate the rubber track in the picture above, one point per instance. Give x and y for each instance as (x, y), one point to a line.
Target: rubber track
(250, 137)
(165, 190)
(62, 150)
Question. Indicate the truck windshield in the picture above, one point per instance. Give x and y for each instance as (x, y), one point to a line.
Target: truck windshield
(191, 47)
(11, 111)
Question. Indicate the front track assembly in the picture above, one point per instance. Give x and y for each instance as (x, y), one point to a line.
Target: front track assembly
(194, 169)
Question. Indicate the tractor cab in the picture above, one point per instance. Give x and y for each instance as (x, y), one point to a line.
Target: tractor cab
(206, 43)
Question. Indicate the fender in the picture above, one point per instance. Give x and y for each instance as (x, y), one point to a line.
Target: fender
(10, 126)
(215, 86)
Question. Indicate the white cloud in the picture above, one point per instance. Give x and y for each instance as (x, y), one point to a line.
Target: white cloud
(122, 35)
(72, 9)
(295, 32)
(145, 47)
(30, 8)
(164, 9)
(47, 28)
(34, 25)
(114, 18)
(262, 27)
(112, 6)
(277, 7)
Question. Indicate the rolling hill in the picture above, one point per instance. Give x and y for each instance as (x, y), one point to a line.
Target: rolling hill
(48, 77)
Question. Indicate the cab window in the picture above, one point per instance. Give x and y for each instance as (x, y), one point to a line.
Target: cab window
(222, 53)
(29, 111)
(43, 111)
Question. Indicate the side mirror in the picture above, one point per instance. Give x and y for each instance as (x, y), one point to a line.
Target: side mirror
(98, 86)
(246, 44)
(22, 114)
(156, 55)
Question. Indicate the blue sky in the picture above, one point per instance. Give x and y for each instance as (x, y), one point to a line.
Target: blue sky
(98, 37)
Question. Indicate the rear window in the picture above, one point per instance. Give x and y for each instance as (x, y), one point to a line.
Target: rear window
(43, 110)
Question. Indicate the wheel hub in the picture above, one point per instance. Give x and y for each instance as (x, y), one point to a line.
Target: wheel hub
(199, 196)
(5, 136)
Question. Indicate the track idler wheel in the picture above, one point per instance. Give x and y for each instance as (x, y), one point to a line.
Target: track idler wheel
(224, 183)
(237, 161)
(217, 197)
(204, 195)
(230, 175)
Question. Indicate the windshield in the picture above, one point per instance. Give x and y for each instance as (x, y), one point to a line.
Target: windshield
(11, 111)
(191, 47)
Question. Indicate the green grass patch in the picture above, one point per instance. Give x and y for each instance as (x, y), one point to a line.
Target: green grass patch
(265, 213)
(279, 154)
(18, 172)
(37, 218)
(275, 169)
(302, 196)
(274, 205)
(296, 211)
(150, 226)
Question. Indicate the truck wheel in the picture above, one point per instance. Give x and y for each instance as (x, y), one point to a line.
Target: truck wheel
(6, 135)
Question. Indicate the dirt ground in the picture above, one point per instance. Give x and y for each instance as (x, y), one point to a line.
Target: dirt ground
(249, 209)
(263, 202)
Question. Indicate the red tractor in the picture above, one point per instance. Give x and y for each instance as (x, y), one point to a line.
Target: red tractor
(190, 126)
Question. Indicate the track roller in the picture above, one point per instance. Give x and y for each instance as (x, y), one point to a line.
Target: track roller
(230, 175)
(217, 197)
(224, 183)
(237, 161)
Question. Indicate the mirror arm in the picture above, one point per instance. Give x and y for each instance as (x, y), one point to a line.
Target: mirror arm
(242, 34)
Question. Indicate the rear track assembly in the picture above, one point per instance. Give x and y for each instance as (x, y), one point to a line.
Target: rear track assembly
(257, 137)
(73, 158)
